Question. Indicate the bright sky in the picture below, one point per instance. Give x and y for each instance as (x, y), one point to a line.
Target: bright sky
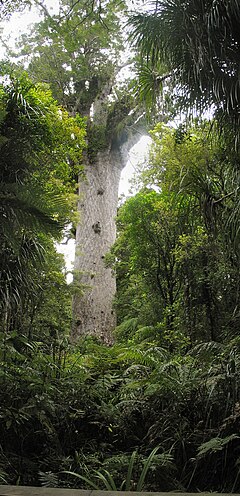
(137, 155)
(19, 23)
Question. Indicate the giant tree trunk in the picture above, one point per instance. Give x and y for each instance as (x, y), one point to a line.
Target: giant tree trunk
(93, 310)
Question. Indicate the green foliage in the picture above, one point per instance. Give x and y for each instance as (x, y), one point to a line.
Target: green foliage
(34, 122)
(79, 53)
(215, 444)
(151, 228)
(8, 7)
(41, 147)
(75, 51)
(129, 417)
(126, 329)
(128, 484)
(97, 141)
(176, 252)
(198, 43)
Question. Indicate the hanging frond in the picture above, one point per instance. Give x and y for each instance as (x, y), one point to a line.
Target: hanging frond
(199, 43)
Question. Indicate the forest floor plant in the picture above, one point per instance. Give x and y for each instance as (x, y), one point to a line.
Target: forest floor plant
(129, 416)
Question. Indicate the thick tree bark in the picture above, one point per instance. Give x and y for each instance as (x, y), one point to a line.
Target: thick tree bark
(93, 310)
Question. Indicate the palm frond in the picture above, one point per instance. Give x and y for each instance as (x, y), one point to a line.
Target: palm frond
(25, 210)
(199, 43)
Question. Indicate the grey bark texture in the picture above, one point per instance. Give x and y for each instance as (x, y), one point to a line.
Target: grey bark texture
(93, 310)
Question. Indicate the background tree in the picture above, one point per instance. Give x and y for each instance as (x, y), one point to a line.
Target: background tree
(176, 264)
(149, 234)
(38, 143)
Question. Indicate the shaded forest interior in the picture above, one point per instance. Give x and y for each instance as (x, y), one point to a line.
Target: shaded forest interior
(159, 409)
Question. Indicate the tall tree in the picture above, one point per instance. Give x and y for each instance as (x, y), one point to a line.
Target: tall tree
(78, 53)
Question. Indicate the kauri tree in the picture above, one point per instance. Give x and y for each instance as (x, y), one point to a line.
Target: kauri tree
(78, 53)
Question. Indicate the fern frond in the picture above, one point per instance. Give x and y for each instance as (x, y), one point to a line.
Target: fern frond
(48, 479)
(215, 444)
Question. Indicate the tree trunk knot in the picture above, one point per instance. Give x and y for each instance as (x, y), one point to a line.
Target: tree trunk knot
(96, 227)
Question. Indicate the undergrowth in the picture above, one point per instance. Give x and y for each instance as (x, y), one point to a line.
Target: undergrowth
(98, 416)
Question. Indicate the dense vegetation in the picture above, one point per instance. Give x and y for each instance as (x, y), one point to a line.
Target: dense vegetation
(160, 409)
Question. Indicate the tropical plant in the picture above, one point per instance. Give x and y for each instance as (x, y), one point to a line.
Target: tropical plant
(198, 42)
(98, 411)
(36, 184)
